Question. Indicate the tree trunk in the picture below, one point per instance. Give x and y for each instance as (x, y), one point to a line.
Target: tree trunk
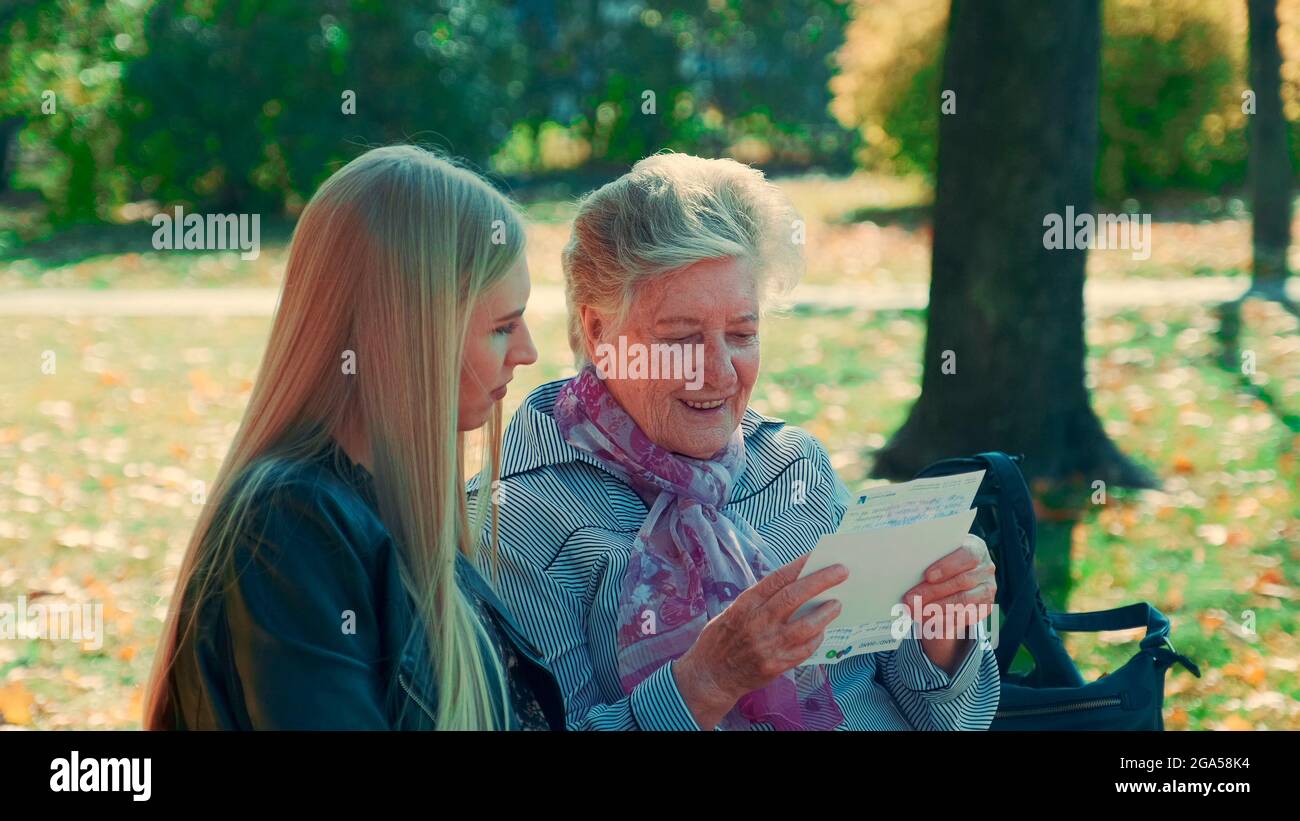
(1270, 161)
(9, 128)
(1006, 313)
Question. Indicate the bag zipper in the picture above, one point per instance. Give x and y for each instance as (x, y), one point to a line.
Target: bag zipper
(402, 681)
(1067, 707)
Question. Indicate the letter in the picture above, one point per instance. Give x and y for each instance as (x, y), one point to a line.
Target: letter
(1140, 238)
(143, 787)
(95, 637)
(1111, 229)
(59, 781)
(637, 367)
(22, 625)
(119, 769)
(933, 626)
(666, 361)
(222, 229)
(63, 622)
(254, 247)
(995, 626)
(8, 632)
(606, 369)
(1069, 226)
(693, 367)
(901, 621)
(90, 775)
(162, 238)
(1083, 236)
(38, 624)
(193, 232)
(975, 613)
(1052, 236)
(798, 492)
(178, 228)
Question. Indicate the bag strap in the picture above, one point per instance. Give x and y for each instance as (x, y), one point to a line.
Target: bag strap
(1004, 490)
(1142, 614)
(1027, 621)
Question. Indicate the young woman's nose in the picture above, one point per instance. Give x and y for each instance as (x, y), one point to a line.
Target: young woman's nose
(522, 352)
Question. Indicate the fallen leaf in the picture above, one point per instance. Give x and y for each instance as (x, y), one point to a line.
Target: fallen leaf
(16, 704)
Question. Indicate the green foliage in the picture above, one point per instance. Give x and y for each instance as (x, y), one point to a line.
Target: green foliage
(1172, 75)
(747, 79)
(59, 88)
(239, 104)
(244, 103)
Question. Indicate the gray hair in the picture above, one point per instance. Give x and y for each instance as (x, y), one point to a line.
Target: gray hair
(670, 211)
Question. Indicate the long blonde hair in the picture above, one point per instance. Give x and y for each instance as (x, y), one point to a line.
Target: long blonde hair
(386, 264)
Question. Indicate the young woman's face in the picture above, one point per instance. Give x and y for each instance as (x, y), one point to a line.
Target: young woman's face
(497, 343)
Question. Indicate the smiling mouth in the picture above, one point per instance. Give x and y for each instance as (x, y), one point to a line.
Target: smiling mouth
(703, 406)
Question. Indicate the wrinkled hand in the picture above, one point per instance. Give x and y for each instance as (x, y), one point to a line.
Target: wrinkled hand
(961, 584)
(754, 640)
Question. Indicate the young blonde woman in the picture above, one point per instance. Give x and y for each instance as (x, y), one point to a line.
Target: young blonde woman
(330, 581)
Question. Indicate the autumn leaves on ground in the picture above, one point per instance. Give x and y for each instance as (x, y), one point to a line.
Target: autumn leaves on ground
(99, 460)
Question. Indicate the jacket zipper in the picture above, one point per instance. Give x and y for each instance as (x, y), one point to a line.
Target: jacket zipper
(1049, 709)
(402, 681)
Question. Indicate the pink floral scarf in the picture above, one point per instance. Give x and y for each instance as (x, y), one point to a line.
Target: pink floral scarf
(691, 558)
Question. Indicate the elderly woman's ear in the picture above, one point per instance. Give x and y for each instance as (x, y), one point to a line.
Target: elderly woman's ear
(593, 328)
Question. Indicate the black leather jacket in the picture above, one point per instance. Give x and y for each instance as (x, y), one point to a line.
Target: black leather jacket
(316, 630)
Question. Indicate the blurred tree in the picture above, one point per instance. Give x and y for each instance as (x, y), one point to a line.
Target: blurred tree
(1270, 162)
(1004, 350)
(746, 79)
(238, 104)
(241, 103)
(1170, 106)
(59, 91)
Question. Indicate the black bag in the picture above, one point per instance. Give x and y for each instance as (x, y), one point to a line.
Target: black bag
(1054, 696)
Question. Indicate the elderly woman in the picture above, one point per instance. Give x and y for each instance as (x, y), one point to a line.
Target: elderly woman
(653, 526)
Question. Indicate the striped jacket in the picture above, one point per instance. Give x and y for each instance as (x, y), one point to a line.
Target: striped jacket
(566, 530)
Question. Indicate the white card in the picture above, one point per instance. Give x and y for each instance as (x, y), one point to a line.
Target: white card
(887, 542)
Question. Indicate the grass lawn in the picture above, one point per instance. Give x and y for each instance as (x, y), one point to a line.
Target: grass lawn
(866, 231)
(99, 460)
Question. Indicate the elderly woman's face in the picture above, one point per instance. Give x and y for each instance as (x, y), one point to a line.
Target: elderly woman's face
(712, 304)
